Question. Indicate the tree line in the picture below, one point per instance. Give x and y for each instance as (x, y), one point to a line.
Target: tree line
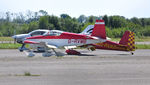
(18, 23)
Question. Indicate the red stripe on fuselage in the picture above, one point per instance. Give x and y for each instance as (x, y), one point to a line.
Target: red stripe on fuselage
(64, 35)
(30, 42)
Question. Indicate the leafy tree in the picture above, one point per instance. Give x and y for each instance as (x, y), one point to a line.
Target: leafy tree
(146, 31)
(33, 26)
(136, 21)
(19, 29)
(18, 23)
(43, 13)
(147, 21)
(55, 21)
(65, 16)
(105, 18)
(143, 22)
(91, 19)
(117, 22)
(7, 16)
(1, 34)
(82, 19)
(43, 22)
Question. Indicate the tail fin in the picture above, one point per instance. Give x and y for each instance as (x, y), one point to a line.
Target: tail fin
(99, 29)
(88, 30)
(129, 40)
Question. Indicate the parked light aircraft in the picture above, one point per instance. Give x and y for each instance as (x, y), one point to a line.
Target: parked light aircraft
(127, 42)
(58, 39)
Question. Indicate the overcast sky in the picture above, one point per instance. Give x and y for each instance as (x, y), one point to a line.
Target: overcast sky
(127, 8)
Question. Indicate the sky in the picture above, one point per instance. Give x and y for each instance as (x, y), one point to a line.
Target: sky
(75, 8)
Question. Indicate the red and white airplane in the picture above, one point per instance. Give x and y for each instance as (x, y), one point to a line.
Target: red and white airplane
(58, 39)
(127, 42)
(93, 37)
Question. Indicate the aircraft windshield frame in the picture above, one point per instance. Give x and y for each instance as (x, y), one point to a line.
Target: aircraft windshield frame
(38, 32)
(55, 32)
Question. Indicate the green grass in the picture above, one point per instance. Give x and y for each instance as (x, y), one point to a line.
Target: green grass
(142, 39)
(27, 74)
(6, 39)
(115, 39)
(9, 46)
(144, 46)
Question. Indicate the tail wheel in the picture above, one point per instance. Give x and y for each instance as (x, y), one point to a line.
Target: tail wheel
(132, 53)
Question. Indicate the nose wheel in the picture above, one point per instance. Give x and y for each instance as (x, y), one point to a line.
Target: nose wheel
(31, 54)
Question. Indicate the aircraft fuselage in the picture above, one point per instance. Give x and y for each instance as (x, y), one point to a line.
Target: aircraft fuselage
(66, 39)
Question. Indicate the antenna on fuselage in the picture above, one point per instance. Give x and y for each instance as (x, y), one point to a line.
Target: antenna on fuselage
(100, 18)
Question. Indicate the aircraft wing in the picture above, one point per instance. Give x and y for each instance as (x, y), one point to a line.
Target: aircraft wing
(48, 45)
(41, 43)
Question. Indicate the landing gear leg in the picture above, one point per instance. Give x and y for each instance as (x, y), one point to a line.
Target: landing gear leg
(58, 54)
(21, 49)
(46, 53)
(55, 52)
(132, 53)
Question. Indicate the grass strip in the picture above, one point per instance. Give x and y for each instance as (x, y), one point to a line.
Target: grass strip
(143, 46)
(9, 46)
(143, 39)
(6, 39)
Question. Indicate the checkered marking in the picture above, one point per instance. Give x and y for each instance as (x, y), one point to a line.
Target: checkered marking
(131, 42)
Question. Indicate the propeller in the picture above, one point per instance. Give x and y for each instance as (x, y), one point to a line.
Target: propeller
(15, 40)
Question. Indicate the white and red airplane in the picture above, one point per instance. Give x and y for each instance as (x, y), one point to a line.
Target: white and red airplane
(58, 39)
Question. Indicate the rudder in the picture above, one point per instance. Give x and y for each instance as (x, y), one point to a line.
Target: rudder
(129, 40)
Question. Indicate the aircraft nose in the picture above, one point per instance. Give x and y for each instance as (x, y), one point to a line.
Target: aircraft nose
(14, 36)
